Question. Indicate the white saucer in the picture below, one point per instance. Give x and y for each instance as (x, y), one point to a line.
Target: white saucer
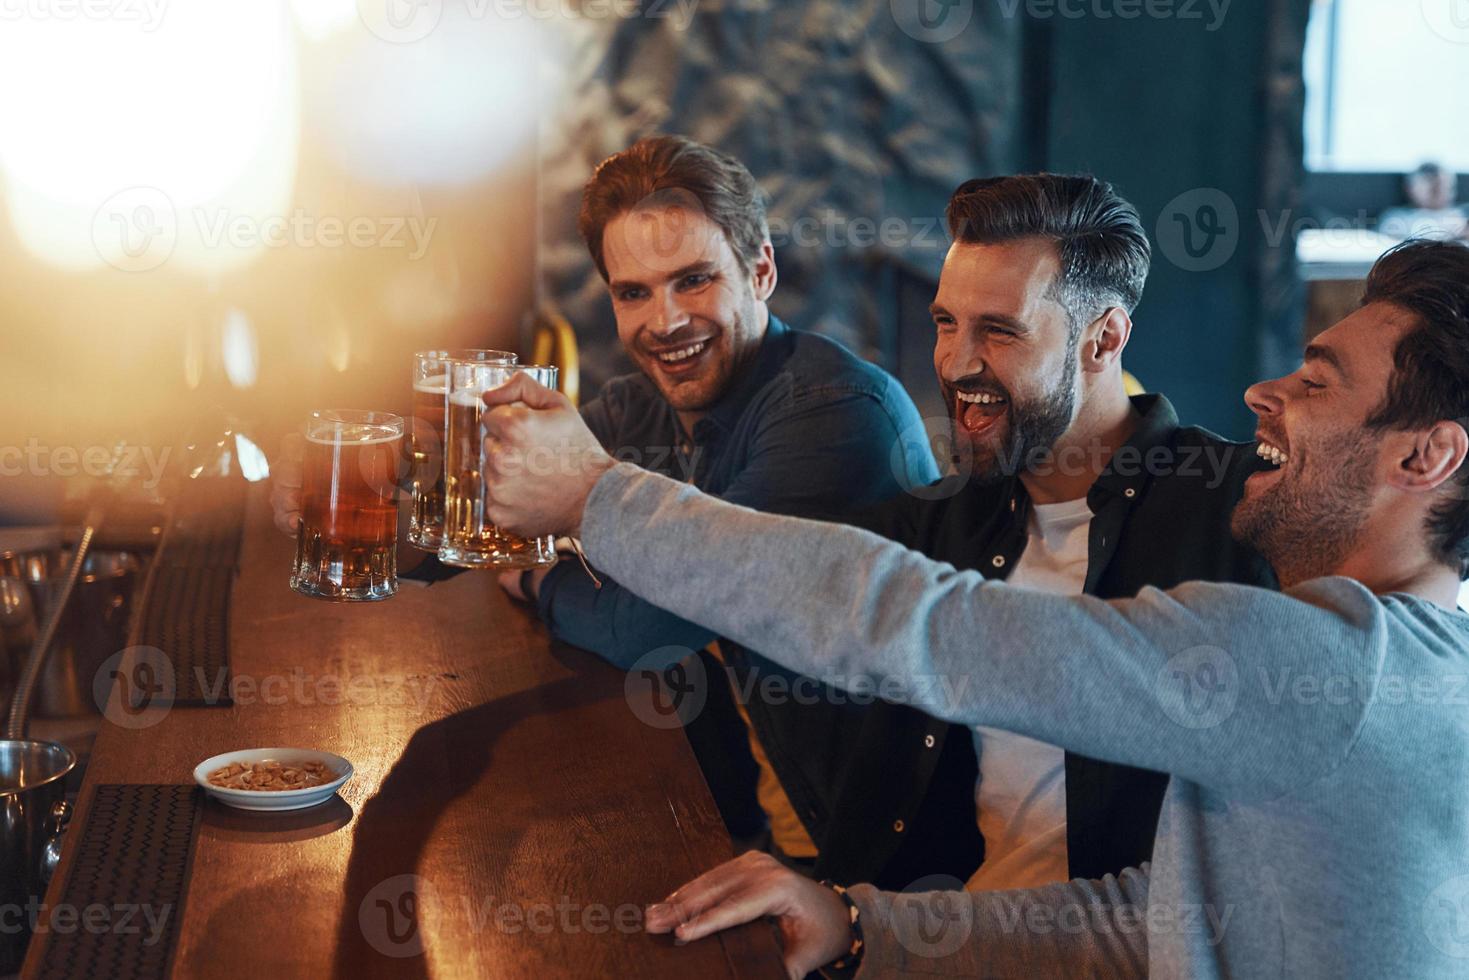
(284, 799)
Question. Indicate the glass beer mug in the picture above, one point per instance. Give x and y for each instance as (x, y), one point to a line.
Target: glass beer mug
(430, 407)
(470, 540)
(347, 542)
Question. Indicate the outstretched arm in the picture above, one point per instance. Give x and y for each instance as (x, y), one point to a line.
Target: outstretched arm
(1187, 682)
(1200, 682)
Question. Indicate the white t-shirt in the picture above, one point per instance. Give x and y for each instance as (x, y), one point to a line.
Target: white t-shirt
(1021, 793)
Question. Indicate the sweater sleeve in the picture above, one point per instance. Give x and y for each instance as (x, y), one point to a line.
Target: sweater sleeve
(1083, 929)
(1199, 681)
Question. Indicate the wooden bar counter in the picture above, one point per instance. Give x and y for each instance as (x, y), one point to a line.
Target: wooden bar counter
(504, 780)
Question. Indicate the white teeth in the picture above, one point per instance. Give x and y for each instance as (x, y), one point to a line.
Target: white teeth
(673, 357)
(981, 399)
(1274, 454)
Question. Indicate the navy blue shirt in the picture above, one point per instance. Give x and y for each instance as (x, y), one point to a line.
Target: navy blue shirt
(807, 428)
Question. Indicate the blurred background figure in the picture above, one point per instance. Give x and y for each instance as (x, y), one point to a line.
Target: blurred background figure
(1433, 211)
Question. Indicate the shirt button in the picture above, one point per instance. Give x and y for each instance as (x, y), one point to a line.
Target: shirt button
(928, 741)
(1129, 492)
(998, 561)
(897, 826)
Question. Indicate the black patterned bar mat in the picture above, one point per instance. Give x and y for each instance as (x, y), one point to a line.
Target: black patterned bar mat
(131, 861)
(185, 607)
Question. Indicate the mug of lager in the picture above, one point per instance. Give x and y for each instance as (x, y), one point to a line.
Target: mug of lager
(430, 405)
(347, 542)
(471, 541)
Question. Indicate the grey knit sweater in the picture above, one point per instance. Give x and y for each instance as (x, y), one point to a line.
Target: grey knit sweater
(1317, 823)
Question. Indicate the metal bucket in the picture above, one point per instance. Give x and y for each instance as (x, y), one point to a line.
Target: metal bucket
(33, 814)
(93, 627)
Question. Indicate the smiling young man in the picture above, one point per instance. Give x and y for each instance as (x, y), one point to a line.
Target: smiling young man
(1064, 484)
(729, 399)
(1316, 823)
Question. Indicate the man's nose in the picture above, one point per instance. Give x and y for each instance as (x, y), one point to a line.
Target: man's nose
(1264, 398)
(669, 316)
(961, 359)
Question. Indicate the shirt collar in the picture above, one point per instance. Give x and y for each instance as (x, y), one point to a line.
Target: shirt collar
(1126, 472)
(755, 375)
(1157, 422)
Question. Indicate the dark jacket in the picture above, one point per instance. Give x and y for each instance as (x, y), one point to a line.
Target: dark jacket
(901, 806)
(808, 429)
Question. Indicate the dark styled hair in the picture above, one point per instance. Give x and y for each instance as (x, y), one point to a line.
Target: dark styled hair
(1430, 380)
(675, 171)
(1099, 238)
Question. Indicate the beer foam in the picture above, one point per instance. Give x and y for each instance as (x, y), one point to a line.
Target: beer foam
(349, 434)
(467, 399)
(433, 386)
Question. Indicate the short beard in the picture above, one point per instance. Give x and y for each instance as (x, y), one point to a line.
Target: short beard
(1035, 427)
(1305, 529)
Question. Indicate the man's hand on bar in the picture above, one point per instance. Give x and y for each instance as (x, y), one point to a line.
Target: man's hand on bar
(814, 924)
(285, 483)
(541, 460)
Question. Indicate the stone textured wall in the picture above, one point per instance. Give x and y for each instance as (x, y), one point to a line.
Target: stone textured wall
(857, 119)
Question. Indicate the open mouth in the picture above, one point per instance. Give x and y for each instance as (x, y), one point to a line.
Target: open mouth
(980, 411)
(677, 360)
(1276, 458)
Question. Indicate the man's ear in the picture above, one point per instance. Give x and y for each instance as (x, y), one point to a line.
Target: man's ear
(1104, 339)
(762, 273)
(1431, 457)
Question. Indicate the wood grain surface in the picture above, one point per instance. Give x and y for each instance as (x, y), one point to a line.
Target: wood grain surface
(510, 814)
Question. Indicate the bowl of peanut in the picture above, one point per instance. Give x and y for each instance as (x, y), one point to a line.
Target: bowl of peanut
(273, 779)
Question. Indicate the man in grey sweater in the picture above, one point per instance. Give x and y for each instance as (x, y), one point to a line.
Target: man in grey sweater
(1317, 821)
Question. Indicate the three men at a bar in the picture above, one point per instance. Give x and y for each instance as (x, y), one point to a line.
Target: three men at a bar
(1138, 659)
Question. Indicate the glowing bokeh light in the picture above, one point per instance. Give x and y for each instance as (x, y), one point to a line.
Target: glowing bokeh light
(137, 141)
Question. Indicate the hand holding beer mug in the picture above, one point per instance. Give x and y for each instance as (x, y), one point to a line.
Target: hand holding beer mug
(347, 540)
(543, 460)
(471, 540)
(430, 407)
